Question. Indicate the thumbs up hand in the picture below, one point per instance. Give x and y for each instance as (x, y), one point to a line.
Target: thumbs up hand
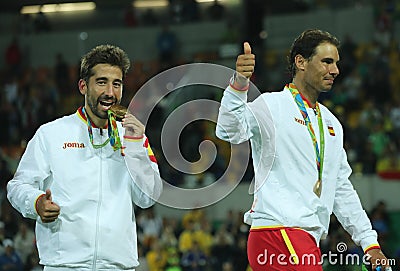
(46, 208)
(245, 65)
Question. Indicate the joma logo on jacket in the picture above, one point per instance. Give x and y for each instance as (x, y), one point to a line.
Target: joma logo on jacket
(73, 145)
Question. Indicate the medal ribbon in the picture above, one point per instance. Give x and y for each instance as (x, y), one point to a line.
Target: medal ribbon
(319, 153)
(113, 135)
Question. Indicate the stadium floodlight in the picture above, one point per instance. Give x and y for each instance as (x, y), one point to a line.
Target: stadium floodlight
(163, 3)
(64, 7)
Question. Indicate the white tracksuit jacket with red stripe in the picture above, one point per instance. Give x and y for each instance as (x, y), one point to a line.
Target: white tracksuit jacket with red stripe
(284, 160)
(96, 190)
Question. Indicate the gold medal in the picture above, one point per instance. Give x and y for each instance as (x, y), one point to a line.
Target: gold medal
(318, 188)
(119, 111)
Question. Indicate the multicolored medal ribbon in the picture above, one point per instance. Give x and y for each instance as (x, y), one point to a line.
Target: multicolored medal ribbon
(90, 132)
(113, 135)
(319, 152)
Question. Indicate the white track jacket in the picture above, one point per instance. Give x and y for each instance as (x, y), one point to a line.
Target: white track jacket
(285, 167)
(96, 190)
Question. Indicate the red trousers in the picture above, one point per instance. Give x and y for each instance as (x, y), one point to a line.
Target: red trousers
(283, 249)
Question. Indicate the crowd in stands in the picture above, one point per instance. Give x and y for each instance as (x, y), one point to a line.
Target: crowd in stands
(365, 97)
(193, 243)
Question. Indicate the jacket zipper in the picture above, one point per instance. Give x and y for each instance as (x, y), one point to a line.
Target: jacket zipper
(98, 210)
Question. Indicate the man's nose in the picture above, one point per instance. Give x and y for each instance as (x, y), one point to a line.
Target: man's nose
(109, 90)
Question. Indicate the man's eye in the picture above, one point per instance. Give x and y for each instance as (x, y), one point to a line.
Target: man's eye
(117, 85)
(101, 83)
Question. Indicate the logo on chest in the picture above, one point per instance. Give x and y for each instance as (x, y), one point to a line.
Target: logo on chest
(73, 145)
(330, 128)
(328, 123)
(300, 121)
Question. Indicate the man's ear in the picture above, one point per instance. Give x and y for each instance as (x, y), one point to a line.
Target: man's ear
(299, 61)
(82, 86)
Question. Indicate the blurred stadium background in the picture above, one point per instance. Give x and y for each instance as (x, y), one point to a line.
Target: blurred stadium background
(42, 41)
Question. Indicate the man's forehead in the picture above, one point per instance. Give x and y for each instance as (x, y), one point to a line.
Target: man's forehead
(107, 71)
(326, 47)
(327, 50)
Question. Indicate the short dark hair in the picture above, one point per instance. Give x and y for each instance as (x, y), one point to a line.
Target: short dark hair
(104, 54)
(305, 45)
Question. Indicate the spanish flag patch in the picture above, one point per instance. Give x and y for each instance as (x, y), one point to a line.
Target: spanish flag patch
(149, 151)
(331, 131)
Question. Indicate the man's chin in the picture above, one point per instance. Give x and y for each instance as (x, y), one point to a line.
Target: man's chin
(327, 89)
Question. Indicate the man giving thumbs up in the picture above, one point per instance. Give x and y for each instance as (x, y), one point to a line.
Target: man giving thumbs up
(301, 168)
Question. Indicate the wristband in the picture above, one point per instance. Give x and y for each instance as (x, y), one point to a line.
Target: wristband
(238, 87)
